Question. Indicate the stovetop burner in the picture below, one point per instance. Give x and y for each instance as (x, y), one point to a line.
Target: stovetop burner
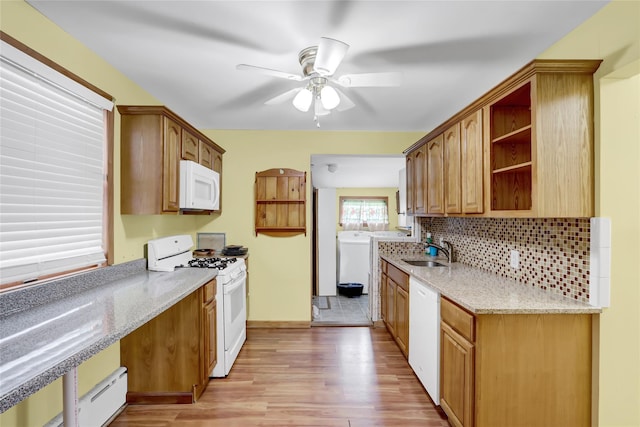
(217, 263)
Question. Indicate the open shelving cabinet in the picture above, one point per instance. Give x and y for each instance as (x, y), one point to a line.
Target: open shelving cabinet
(280, 202)
(511, 151)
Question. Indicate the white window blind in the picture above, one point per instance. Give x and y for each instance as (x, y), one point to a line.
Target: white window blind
(52, 171)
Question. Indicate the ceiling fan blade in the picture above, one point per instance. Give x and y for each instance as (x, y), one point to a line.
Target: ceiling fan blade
(283, 97)
(329, 56)
(389, 79)
(463, 51)
(345, 102)
(270, 72)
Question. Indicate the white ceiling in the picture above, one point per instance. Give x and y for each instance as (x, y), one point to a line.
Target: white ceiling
(185, 53)
(356, 171)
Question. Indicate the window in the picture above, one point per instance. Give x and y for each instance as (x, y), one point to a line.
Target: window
(54, 181)
(357, 213)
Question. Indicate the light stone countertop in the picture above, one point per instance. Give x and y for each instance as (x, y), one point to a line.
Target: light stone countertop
(482, 292)
(40, 342)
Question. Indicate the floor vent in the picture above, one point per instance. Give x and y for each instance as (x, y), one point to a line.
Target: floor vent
(101, 403)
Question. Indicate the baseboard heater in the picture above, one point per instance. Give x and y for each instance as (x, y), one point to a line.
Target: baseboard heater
(101, 403)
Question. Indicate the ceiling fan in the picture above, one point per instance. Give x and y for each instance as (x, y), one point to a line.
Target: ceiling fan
(319, 64)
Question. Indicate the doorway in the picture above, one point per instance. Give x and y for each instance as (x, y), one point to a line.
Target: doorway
(330, 175)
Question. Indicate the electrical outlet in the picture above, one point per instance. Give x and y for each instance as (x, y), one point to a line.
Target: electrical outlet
(441, 241)
(515, 259)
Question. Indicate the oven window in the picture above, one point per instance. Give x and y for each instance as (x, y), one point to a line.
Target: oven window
(237, 303)
(54, 184)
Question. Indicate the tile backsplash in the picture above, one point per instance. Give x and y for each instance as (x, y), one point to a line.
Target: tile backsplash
(554, 252)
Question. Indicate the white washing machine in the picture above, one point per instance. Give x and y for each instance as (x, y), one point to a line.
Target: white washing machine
(353, 258)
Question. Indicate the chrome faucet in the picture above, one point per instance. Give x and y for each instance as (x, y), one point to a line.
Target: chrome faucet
(448, 252)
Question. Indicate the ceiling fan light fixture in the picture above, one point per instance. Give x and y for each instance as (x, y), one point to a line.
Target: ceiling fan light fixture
(319, 110)
(329, 98)
(303, 99)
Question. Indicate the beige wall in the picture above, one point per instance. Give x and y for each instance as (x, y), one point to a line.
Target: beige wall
(284, 294)
(389, 193)
(278, 293)
(613, 34)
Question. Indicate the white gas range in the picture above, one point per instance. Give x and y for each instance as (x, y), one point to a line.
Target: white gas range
(174, 252)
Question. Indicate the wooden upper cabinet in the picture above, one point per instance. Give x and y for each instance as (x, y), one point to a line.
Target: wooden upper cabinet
(416, 162)
(435, 172)
(541, 142)
(452, 177)
(420, 181)
(171, 167)
(217, 162)
(153, 140)
(526, 146)
(205, 155)
(463, 165)
(410, 183)
(471, 159)
(190, 146)
(280, 202)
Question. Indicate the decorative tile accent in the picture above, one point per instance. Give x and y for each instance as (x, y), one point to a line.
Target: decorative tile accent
(554, 252)
(400, 248)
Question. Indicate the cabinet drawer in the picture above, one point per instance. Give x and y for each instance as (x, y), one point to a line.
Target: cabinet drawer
(209, 291)
(459, 319)
(398, 276)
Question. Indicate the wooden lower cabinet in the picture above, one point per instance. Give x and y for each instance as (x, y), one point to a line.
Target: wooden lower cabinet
(210, 310)
(169, 358)
(402, 319)
(395, 305)
(515, 369)
(456, 370)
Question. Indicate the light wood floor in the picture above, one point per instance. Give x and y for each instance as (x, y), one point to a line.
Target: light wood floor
(345, 376)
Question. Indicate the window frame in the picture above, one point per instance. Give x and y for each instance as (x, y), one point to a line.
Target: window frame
(108, 189)
(385, 199)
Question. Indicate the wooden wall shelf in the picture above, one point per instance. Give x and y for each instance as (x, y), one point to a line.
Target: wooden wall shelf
(280, 202)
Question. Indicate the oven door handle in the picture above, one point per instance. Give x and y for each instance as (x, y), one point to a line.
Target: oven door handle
(237, 275)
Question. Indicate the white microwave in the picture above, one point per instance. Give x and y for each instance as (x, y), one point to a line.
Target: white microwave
(199, 187)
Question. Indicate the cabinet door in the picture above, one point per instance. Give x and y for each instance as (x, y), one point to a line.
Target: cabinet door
(471, 158)
(452, 183)
(189, 146)
(210, 344)
(402, 320)
(410, 183)
(420, 180)
(167, 344)
(171, 166)
(205, 151)
(217, 162)
(390, 296)
(383, 299)
(456, 377)
(435, 171)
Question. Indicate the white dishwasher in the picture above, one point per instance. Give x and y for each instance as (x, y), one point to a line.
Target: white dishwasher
(424, 336)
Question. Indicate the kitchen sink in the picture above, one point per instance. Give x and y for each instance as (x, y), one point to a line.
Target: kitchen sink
(424, 263)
